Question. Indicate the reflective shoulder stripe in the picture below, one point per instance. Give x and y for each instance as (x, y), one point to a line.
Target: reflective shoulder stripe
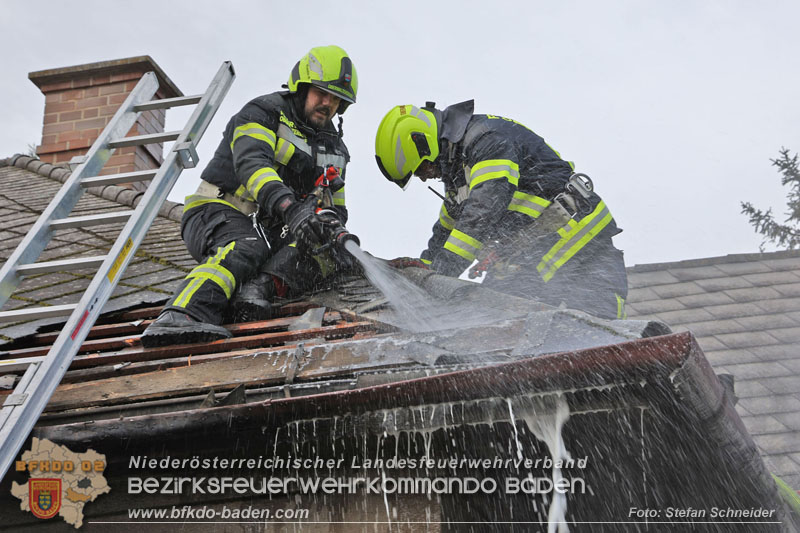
(286, 133)
(338, 197)
(284, 151)
(426, 261)
(196, 200)
(256, 131)
(571, 242)
(445, 219)
(463, 245)
(494, 169)
(259, 178)
(528, 204)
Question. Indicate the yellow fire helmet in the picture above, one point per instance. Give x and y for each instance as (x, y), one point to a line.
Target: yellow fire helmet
(330, 69)
(406, 137)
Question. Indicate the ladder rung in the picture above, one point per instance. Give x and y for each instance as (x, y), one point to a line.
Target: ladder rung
(113, 179)
(91, 220)
(63, 264)
(12, 365)
(32, 313)
(150, 138)
(167, 103)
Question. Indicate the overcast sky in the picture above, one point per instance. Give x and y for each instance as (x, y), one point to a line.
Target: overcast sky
(674, 108)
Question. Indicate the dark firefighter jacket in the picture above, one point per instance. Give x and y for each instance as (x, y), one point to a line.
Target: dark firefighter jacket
(499, 177)
(268, 152)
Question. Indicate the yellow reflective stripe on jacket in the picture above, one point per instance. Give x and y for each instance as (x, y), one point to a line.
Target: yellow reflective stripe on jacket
(210, 270)
(445, 219)
(284, 151)
(195, 200)
(426, 261)
(528, 204)
(261, 177)
(621, 313)
(244, 194)
(492, 169)
(338, 197)
(463, 245)
(256, 131)
(573, 240)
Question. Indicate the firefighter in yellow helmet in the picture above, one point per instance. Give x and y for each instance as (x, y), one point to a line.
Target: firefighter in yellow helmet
(536, 228)
(253, 224)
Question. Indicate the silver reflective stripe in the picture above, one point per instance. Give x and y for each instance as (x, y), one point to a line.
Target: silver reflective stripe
(314, 65)
(458, 243)
(462, 194)
(577, 237)
(285, 133)
(514, 173)
(399, 158)
(283, 149)
(417, 112)
(217, 276)
(527, 204)
(323, 160)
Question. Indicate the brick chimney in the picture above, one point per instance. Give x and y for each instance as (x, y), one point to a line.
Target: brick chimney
(80, 101)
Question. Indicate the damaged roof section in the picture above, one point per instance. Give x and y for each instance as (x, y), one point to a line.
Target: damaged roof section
(745, 312)
(26, 187)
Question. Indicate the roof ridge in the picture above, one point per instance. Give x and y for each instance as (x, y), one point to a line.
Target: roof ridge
(722, 259)
(114, 193)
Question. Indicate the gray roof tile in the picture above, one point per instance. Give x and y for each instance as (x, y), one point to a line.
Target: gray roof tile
(789, 289)
(779, 443)
(790, 420)
(650, 279)
(678, 289)
(763, 424)
(711, 327)
(767, 322)
(735, 310)
(778, 352)
(753, 294)
(782, 464)
(731, 357)
(780, 306)
(786, 403)
(705, 299)
(784, 384)
(652, 307)
(750, 388)
(738, 269)
(757, 370)
(772, 278)
(685, 316)
(702, 272)
(786, 263)
(746, 339)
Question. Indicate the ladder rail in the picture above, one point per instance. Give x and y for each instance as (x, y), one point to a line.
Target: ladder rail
(40, 234)
(48, 374)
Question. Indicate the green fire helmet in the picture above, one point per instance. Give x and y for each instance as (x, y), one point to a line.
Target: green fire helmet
(330, 69)
(406, 137)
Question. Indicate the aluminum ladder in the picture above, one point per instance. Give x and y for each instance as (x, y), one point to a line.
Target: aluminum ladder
(42, 375)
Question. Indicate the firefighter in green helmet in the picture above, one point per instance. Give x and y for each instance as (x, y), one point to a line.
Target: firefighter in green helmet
(535, 228)
(272, 194)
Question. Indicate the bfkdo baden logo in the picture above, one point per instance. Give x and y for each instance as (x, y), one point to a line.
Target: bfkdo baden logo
(44, 497)
(61, 481)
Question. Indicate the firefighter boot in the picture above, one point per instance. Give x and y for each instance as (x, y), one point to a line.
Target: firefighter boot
(255, 300)
(174, 327)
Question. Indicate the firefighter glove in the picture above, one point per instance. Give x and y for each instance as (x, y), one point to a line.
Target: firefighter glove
(304, 224)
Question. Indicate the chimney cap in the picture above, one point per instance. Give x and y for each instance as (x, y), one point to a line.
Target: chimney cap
(101, 68)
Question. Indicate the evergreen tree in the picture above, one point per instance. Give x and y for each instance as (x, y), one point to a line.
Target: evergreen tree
(786, 235)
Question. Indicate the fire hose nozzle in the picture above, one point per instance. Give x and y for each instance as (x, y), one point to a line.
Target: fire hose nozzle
(346, 236)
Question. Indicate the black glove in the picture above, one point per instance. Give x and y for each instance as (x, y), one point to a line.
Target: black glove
(304, 225)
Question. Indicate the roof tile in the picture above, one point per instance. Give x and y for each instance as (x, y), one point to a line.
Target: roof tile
(758, 370)
(706, 299)
(778, 352)
(652, 307)
(678, 289)
(735, 310)
(779, 443)
(772, 278)
(732, 357)
(787, 384)
(751, 388)
(779, 306)
(763, 424)
(762, 322)
(704, 272)
(788, 289)
(650, 279)
(790, 420)
(738, 269)
(752, 294)
(787, 263)
(771, 404)
(721, 284)
(685, 316)
(746, 339)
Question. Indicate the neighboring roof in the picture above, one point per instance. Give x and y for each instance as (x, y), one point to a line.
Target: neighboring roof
(26, 187)
(745, 312)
